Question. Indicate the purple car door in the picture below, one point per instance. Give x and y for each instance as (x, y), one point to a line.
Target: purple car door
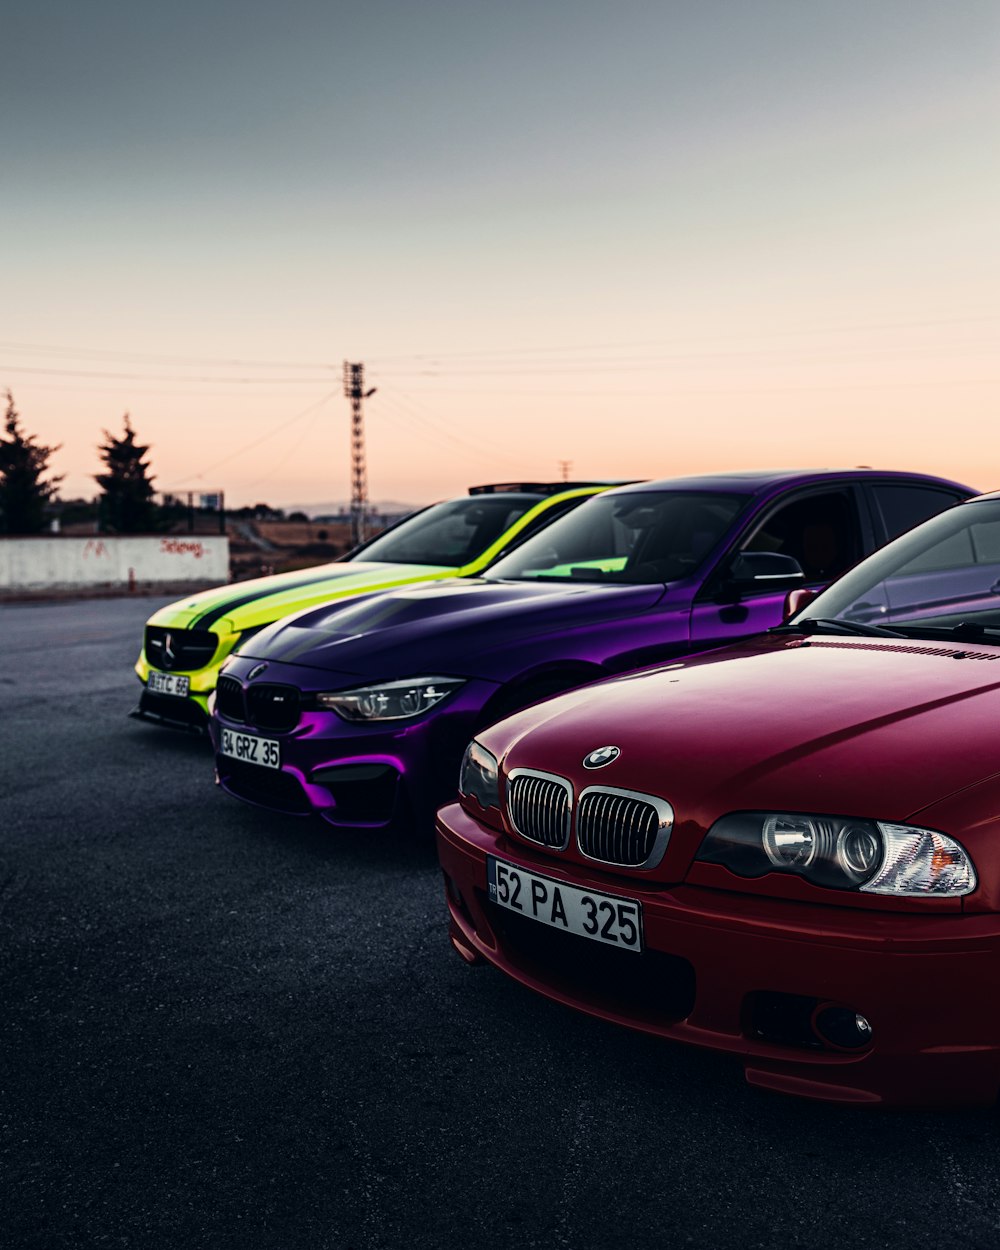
(824, 530)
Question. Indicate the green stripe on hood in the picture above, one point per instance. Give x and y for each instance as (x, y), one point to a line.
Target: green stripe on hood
(208, 618)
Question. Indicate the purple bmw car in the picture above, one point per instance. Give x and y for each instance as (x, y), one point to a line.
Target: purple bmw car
(360, 710)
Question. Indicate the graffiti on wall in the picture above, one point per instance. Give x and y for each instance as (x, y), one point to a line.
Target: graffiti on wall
(182, 547)
(112, 560)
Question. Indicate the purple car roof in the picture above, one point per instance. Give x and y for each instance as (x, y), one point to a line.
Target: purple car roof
(757, 480)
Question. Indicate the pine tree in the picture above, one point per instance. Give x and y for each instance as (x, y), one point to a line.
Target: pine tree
(24, 492)
(127, 505)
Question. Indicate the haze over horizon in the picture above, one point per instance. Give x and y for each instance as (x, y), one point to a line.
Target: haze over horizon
(645, 239)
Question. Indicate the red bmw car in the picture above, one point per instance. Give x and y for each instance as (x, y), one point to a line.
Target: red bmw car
(788, 850)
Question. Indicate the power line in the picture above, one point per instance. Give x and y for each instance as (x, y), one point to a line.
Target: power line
(221, 362)
(670, 392)
(468, 451)
(249, 446)
(610, 364)
(541, 369)
(441, 436)
(434, 422)
(799, 331)
(276, 466)
(153, 377)
(133, 391)
(438, 359)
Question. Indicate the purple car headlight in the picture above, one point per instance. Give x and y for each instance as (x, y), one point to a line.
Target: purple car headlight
(842, 852)
(389, 700)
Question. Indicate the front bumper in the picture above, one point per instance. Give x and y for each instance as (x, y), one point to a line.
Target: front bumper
(354, 774)
(716, 964)
(190, 712)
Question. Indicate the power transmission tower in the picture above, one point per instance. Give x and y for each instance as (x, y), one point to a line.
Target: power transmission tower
(354, 389)
(564, 468)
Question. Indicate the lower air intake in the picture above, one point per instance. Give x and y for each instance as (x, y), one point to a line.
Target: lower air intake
(267, 787)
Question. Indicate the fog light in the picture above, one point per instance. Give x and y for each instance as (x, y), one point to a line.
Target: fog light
(842, 1027)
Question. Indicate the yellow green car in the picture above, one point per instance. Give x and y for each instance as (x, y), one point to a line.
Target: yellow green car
(187, 642)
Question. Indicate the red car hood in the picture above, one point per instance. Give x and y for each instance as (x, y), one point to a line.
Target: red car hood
(858, 727)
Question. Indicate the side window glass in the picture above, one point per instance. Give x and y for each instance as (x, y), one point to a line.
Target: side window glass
(902, 507)
(821, 531)
(955, 550)
(986, 543)
(976, 544)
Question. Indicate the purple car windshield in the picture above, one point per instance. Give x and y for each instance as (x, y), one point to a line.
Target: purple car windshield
(941, 579)
(450, 534)
(637, 537)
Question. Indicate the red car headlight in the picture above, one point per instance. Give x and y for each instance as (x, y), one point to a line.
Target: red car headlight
(479, 784)
(841, 852)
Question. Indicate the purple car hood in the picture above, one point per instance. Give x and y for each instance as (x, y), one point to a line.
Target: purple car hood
(443, 627)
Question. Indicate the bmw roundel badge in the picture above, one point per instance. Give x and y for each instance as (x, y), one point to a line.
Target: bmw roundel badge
(256, 671)
(601, 756)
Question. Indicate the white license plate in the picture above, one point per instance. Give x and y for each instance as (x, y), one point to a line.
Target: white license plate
(600, 917)
(251, 749)
(168, 683)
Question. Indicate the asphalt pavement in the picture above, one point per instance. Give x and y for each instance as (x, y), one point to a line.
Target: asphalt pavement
(220, 1028)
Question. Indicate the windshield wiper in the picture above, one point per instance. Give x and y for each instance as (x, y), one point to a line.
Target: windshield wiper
(963, 631)
(834, 625)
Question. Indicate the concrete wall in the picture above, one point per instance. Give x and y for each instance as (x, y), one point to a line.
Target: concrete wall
(58, 563)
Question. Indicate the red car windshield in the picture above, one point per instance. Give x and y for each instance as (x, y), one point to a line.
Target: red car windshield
(941, 579)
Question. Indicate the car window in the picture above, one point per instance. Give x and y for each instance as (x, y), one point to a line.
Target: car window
(641, 536)
(820, 530)
(450, 533)
(943, 573)
(902, 507)
(972, 544)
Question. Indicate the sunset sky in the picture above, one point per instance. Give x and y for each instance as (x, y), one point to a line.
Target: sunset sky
(645, 237)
